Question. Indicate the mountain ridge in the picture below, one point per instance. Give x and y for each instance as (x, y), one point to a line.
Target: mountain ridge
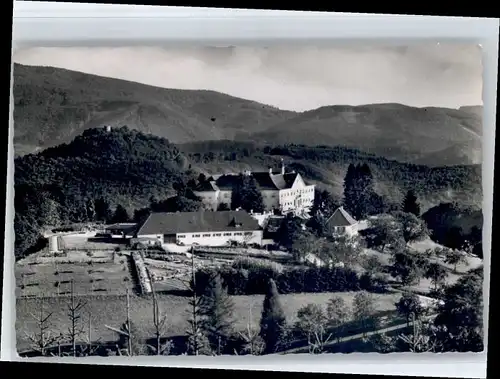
(54, 105)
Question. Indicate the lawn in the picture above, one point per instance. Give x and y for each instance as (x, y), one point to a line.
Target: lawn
(425, 285)
(111, 310)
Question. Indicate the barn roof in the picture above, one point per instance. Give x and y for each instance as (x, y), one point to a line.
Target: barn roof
(198, 222)
(341, 218)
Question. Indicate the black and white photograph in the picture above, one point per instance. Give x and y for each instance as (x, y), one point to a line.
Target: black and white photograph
(249, 200)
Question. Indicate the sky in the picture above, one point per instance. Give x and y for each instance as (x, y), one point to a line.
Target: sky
(291, 77)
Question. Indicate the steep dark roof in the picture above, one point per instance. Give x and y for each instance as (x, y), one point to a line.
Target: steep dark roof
(341, 218)
(198, 222)
(265, 181)
(206, 186)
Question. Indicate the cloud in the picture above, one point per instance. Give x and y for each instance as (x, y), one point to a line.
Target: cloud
(291, 77)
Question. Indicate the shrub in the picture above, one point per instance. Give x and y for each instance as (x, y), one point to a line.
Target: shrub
(250, 263)
(253, 281)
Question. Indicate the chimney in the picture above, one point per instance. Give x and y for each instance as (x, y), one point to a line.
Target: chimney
(282, 167)
(270, 170)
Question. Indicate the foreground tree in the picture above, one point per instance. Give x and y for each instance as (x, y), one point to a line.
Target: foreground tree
(383, 231)
(410, 307)
(364, 311)
(217, 309)
(127, 339)
(159, 325)
(312, 322)
(324, 203)
(307, 243)
(344, 249)
(289, 231)
(455, 257)
(43, 339)
(436, 273)
(422, 338)
(198, 343)
(407, 267)
(75, 308)
(338, 314)
(410, 204)
(273, 320)
(460, 316)
(253, 343)
(413, 229)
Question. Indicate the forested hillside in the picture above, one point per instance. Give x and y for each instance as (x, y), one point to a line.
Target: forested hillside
(98, 169)
(326, 166)
(67, 182)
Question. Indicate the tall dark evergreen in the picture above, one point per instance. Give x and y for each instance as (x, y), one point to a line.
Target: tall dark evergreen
(217, 309)
(273, 320)
(289, 230)
(120, 215)
(102, 210)
(246, 194)
(360, 198)
(410, 203)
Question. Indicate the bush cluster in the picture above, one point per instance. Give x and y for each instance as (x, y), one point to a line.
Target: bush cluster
(253, 280)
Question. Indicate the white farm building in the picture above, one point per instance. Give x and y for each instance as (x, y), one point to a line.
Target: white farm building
(203, 228)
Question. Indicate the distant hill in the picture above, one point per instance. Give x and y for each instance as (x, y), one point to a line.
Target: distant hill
(54, 105)
(476, 110)
(431, 136)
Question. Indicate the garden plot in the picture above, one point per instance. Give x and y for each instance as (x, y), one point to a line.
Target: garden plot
(54, 279)
(174, 275)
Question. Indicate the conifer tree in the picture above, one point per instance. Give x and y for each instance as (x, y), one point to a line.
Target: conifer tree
(120, 215)
(246, 195)
(273, 320)
(360, 198)
(217, 309)
(410, 204)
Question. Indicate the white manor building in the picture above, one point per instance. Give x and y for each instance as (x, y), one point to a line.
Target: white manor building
(283, 191)
(201, 228)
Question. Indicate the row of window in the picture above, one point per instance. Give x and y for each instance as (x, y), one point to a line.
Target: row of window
(296, 192)
(227, 234)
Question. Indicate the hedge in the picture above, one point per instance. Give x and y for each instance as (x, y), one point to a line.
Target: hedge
(253, 281)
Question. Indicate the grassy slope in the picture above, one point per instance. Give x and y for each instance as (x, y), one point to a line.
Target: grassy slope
(53, 105)
(396, 131)
(110, 310)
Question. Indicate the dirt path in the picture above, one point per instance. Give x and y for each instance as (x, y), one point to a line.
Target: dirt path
(304, 349)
